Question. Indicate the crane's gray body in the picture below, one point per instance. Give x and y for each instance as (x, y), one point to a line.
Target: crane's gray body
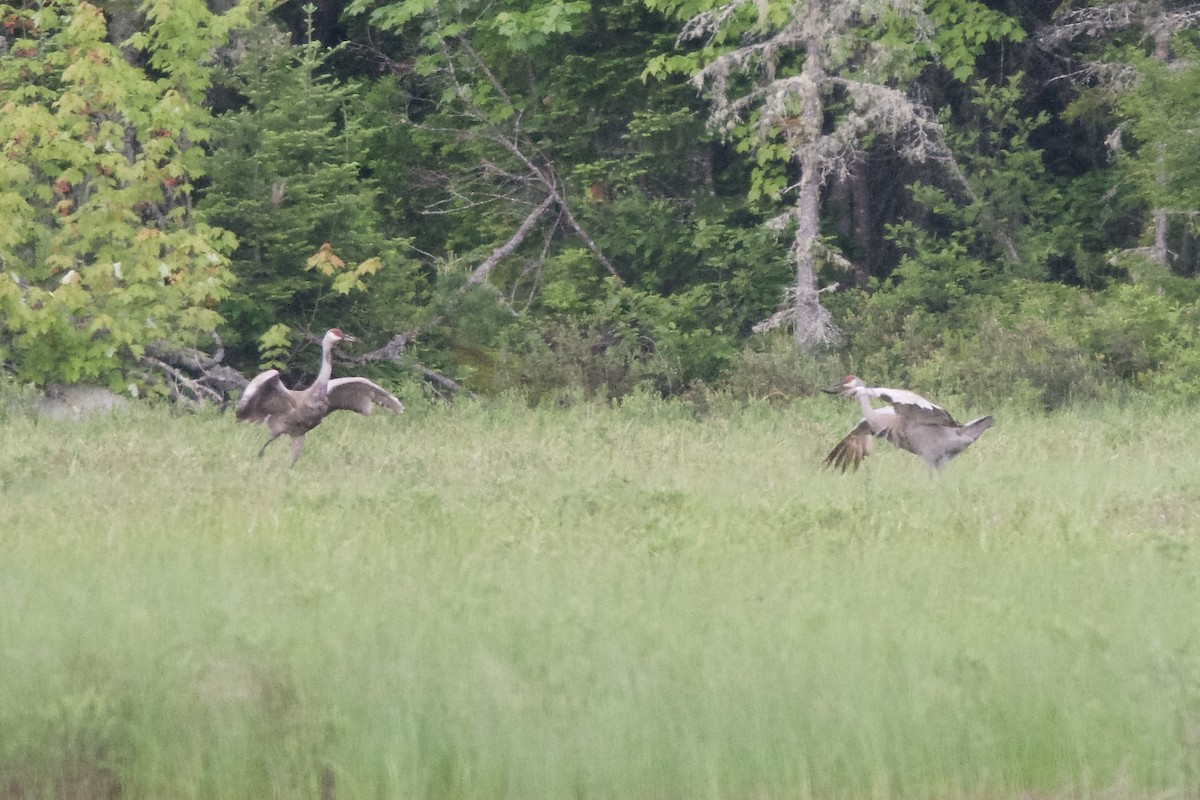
(295, 413)
(909, 422)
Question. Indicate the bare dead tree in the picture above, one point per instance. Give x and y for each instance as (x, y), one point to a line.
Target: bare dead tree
(794, 108)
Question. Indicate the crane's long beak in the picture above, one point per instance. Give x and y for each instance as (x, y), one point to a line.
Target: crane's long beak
(346, 337)
(835, 389)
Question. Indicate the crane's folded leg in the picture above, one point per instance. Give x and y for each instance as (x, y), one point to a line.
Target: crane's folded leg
(272, 438)
(297, 448)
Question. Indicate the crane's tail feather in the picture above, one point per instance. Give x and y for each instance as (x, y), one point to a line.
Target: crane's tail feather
(975, 428)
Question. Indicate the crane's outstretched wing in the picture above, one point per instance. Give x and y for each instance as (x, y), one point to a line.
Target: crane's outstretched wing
(851, 450)
(912, 406)
(857, 444)
(266, 395)
(899, 396)
(361, 395)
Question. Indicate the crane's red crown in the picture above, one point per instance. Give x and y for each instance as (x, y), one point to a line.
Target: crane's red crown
(848, 379)
(337, 332)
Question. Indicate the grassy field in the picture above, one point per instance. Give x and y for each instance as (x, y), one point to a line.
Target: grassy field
(494, 602)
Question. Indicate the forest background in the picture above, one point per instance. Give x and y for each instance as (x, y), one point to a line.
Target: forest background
(995, 200)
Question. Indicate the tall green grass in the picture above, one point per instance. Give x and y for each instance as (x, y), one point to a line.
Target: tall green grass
(489, 601)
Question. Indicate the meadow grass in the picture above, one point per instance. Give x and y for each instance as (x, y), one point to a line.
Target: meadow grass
(491, 601)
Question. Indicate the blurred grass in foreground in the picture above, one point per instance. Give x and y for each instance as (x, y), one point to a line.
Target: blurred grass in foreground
(495, 602)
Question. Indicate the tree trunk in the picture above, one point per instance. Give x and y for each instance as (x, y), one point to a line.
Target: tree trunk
(1162, 54)
(814, 326)
(864, 240)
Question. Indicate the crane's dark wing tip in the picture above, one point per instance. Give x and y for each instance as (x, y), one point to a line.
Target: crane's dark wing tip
(975, 428)
(852, 449)
(841, 461)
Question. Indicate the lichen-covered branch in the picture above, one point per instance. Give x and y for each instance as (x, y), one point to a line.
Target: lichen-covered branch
(503, 251)
(794, 107)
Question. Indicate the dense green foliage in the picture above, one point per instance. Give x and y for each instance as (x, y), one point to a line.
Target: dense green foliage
(98, 246)
(287, 179)
(489, 601)
(526, 195)
(546, 201)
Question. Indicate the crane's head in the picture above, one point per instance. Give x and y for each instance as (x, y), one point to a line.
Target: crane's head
(335, 335)
(848, 387)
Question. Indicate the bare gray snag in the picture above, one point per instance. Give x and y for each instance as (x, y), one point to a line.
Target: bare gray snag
(793, 107)
(1156, 18)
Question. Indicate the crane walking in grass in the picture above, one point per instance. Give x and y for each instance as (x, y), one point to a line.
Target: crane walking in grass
(295, 413)
(909, 422)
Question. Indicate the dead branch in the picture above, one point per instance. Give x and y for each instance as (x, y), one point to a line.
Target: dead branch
(438, 379)
(589, 241)
(395, 347)
(550, 182)
(394, 351)
(205, 370)
(1083, 22)
(482, 66)
(181, 386)
(503, 251)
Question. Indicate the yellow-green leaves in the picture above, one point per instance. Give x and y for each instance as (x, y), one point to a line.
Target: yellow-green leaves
(97, 163)
(524, 29)
(325, 261)
(345, 280)
(352, 280)
(273, 346)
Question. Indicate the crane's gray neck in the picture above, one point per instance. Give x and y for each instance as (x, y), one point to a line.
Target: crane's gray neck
(326, 363)
(867, 409)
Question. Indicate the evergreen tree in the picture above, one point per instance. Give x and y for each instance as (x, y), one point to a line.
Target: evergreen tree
(1137, 58)
(290, 179)
(806, 84)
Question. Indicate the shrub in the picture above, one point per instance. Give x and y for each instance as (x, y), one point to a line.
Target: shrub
(602, 361)
(17, 399)
(771, 367)
(1023, 362)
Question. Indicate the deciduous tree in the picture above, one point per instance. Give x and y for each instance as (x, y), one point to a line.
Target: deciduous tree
(100, 253)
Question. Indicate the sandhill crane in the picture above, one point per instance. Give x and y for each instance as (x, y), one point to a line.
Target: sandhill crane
(910, 422)
(296, 413)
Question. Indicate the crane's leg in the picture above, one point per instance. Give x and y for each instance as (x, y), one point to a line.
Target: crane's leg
(274, 436)
(297, 448)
